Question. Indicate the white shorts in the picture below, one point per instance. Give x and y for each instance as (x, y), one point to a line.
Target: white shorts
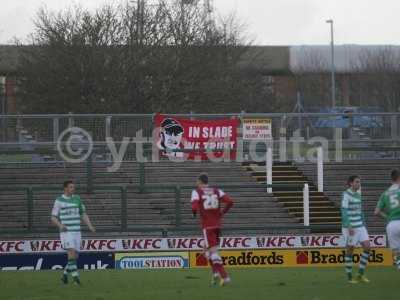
(360, 235)
(393, 234)
(71, 240)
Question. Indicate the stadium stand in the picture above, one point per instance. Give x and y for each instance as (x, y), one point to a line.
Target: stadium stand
(288, 181)
(375, 178)
(153, 209)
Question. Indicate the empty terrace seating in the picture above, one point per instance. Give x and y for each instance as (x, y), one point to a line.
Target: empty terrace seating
(375, 178)
(253, 207)
(13, 210)
(57, 172)
(154, 208)
(288, 182)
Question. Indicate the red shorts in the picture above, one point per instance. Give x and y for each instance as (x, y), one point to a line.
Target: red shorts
(211, 237)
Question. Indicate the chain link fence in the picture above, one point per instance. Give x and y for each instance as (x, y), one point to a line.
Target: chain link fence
(361, 135)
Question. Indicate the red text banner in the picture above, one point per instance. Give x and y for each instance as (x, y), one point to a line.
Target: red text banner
(196, 139)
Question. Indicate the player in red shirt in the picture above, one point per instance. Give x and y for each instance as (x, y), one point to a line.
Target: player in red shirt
(207, 201)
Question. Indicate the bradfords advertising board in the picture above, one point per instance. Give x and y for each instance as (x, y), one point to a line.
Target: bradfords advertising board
(257, 129)
(165, 260)
(335, 257)
(291, 258)
(36, 262)
(243, 259)
(191, 243)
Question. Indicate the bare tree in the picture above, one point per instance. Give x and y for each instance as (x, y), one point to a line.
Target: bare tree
(73, 64)
(312, 78)
(137, 57)
(377, 78)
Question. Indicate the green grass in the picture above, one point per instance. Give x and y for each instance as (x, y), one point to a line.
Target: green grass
(248, 284)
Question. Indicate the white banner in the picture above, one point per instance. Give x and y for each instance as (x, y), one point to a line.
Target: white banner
(257, 129)
(181, 243)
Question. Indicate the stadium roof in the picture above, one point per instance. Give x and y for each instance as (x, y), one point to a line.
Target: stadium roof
(264, 59)
(272, 60)
(348, 58)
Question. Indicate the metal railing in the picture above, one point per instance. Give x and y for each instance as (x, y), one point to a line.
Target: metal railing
(33, 192)
(356, 126)
(34, 137)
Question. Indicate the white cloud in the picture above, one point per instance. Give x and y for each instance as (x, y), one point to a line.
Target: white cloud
(270, 21)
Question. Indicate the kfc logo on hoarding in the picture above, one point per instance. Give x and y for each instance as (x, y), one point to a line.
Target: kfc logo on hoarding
(12, 246)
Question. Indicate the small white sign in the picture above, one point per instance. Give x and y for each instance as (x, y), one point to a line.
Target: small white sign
(257, 129)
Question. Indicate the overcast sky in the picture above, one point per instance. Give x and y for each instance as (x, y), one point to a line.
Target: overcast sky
(270, 22)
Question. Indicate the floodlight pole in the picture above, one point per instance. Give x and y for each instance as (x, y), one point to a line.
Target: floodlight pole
(333, 85)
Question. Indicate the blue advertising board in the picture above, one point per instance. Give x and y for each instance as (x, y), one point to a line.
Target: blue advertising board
(36, 262)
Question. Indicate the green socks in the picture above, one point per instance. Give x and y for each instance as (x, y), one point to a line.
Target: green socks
(363, 262)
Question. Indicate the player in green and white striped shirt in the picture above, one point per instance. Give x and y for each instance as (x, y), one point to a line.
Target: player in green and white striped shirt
(389, 208)
(353, 228)
(68, 210)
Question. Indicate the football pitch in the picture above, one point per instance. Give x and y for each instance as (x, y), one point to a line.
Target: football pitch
(248, 284)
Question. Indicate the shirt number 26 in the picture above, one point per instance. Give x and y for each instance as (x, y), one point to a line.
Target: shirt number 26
(210, 201)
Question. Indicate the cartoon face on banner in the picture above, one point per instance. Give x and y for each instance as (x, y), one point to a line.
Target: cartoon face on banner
(171, 132)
